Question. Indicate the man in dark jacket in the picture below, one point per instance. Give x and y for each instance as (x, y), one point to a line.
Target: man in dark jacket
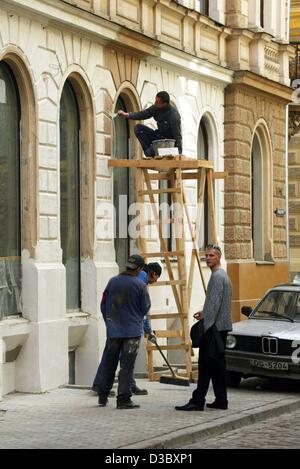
(124, 305)
(216, 316)
(168, 123)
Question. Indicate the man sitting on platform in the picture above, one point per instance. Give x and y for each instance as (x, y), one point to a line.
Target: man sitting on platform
(168, 123)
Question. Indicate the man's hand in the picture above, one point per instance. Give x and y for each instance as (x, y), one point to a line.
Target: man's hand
(152, 338)
(198, 315)
(122, 113)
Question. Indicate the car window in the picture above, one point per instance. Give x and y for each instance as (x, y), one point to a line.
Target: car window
(279, 304)
(297, 309)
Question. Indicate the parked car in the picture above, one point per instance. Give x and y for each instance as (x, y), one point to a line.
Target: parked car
(268, 342)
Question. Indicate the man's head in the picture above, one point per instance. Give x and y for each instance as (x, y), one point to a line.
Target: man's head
(153, 270)
(213, 255)
(162, 100)
(135, 264)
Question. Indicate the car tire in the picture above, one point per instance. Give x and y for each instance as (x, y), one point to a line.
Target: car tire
(233, 379)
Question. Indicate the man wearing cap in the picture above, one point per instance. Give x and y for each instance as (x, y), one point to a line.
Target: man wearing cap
(149, 275)
(124, 305)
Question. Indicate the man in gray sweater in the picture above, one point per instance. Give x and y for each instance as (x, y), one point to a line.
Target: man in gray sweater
(168, 123)
(216, 315)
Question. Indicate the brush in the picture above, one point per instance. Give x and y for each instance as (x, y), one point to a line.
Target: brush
(174, 379)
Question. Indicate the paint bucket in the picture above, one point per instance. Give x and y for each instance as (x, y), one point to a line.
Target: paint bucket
(163, 143)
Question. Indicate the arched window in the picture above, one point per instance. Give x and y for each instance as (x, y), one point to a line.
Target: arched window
(10, 194)
(203, 154)
(70, 194)
(261, 197)
(124, 184)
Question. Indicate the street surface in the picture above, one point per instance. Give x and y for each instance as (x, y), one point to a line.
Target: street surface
(71, 418)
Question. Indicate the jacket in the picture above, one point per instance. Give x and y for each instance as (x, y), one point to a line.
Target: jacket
(124, 304)
(168, 122)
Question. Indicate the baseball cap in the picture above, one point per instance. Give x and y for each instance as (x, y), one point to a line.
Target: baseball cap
(135, 261)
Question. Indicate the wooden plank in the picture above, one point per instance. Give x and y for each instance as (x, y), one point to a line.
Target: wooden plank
(195, 233)
(185, 176)
(139, 186)
(169, 347)
(168, 221)
(159, 191)
(162, 254)
(211, 210)
(164, 315)
(167, 282)
(173, 333)
(178, 201)
(160, 164)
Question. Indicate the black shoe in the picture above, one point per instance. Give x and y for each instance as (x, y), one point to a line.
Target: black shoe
(102, 401)
(112, 394)
(190, 406)
(216, 405)
(139, 392)
(127, 405)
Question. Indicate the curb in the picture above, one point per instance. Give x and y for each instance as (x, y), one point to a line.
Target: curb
(190, 435)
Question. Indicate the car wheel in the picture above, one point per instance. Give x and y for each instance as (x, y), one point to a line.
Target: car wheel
(233, 379)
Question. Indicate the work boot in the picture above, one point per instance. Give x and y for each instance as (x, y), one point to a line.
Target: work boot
(149, 152)
(127, 405)
(102, 400)
(139, 392)
(217, 405)
(190, 406)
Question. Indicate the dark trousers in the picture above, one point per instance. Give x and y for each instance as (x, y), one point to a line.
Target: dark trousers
(124, 350)
(211, 369)
(100, 370)
(145, 135)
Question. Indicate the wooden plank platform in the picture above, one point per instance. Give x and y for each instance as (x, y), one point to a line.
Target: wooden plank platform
(174, 163)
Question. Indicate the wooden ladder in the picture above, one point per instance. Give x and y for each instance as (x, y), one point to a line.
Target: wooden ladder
(174, 170)
(181, 286)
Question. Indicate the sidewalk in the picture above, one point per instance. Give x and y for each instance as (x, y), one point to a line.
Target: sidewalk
(71, 418)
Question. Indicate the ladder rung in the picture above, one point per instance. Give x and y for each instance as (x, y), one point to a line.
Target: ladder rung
(159, 177)
(163, 254)
(166, 221)
(169, 347)
(167, 282)
(159, 191)
(164, 315)
(170, 334)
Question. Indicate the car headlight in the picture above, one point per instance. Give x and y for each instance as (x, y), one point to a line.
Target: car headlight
(231, 341)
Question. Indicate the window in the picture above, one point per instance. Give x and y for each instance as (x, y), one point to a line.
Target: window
(203, 154)
(124, 187)
(202, 6)
(257, 200)
(262, 13)
(10, 212)
(279, 304)
(70, 194)
(261, 190)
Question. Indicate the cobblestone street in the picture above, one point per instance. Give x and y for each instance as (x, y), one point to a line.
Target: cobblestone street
(281, 432)
(71, 418)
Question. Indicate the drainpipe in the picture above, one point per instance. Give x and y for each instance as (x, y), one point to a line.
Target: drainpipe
(287, 183)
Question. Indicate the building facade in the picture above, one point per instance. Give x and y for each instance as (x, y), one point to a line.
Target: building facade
(294, 145)
(66, 68)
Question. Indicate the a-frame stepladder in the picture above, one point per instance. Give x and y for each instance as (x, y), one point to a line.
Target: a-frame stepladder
(174, 170)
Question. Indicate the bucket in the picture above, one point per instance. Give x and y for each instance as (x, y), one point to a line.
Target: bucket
(164, 143)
